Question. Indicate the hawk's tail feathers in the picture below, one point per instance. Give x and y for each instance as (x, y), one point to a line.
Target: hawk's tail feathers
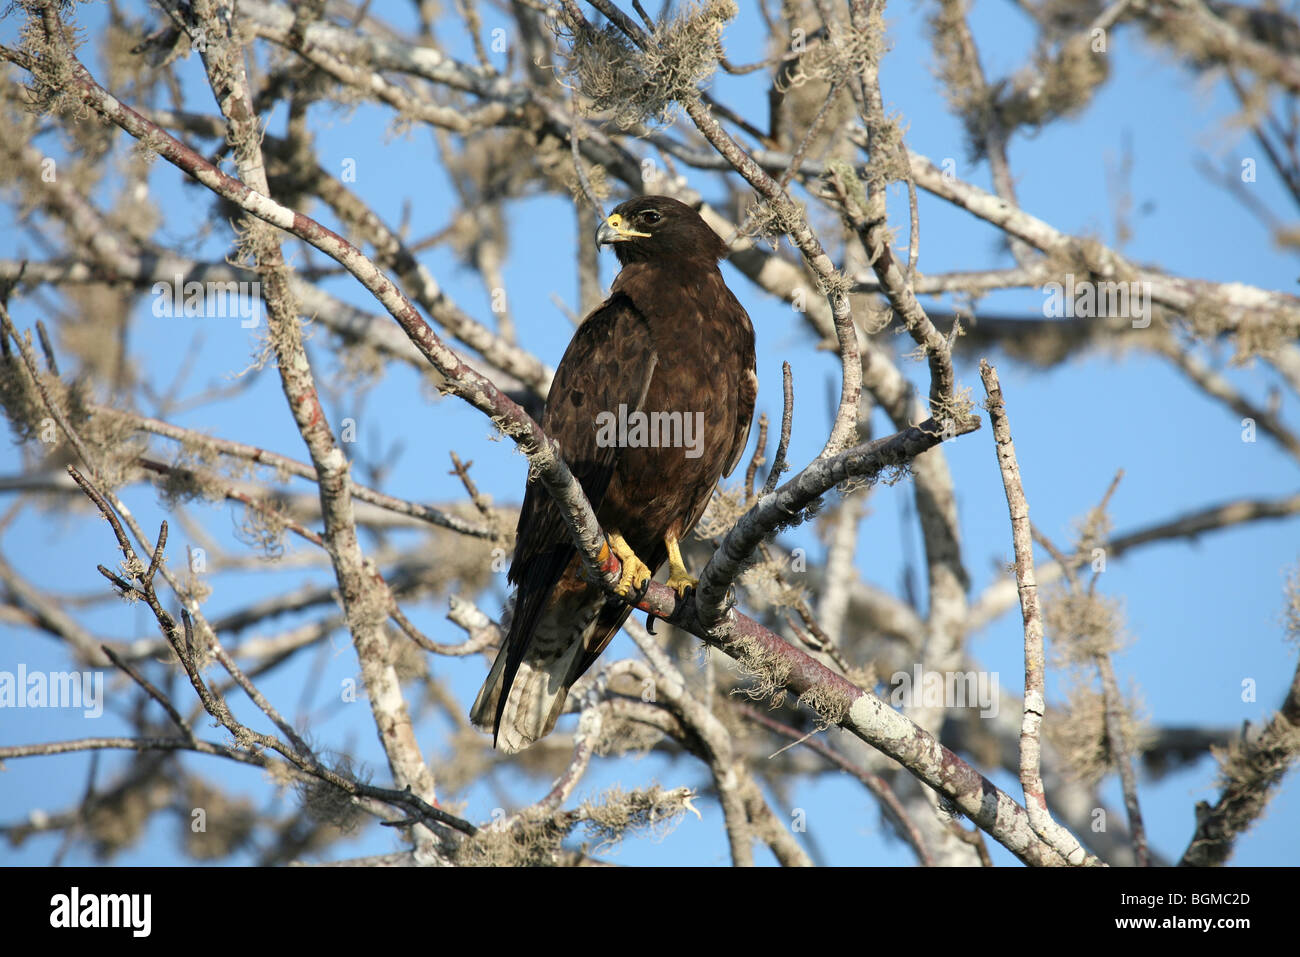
(534, 701)
(545, 652)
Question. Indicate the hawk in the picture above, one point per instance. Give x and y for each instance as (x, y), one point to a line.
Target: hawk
(650, 406)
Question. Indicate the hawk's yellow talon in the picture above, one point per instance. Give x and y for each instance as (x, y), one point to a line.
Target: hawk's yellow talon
(634, 578)
(679, 579)
(635, 573)
(682, 584)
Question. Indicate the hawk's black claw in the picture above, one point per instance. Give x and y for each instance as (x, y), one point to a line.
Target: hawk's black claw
(638, 596)
(650, 622)
(682, 601)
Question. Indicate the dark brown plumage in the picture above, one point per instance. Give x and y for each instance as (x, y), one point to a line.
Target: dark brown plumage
(670, 339)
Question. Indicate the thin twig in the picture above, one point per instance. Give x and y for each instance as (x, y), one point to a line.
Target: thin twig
(787, 422)
(1035, 701)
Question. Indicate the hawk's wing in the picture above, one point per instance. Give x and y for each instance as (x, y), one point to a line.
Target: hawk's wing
(609, 363)
(747, 389)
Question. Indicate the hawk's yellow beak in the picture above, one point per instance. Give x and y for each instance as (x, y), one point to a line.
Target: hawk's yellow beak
(612, 230)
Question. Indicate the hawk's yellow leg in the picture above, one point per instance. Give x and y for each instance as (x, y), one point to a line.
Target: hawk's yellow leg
(635, 574)
(679, 580)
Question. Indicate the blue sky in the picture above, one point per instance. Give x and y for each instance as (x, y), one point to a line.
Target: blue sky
(1202, 618)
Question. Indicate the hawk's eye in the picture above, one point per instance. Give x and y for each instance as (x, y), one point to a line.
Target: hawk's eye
(650, 217)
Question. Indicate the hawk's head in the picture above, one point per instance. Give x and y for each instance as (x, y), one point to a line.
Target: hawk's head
(659, 228)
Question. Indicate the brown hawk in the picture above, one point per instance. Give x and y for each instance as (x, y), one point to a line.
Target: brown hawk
(650, 405)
